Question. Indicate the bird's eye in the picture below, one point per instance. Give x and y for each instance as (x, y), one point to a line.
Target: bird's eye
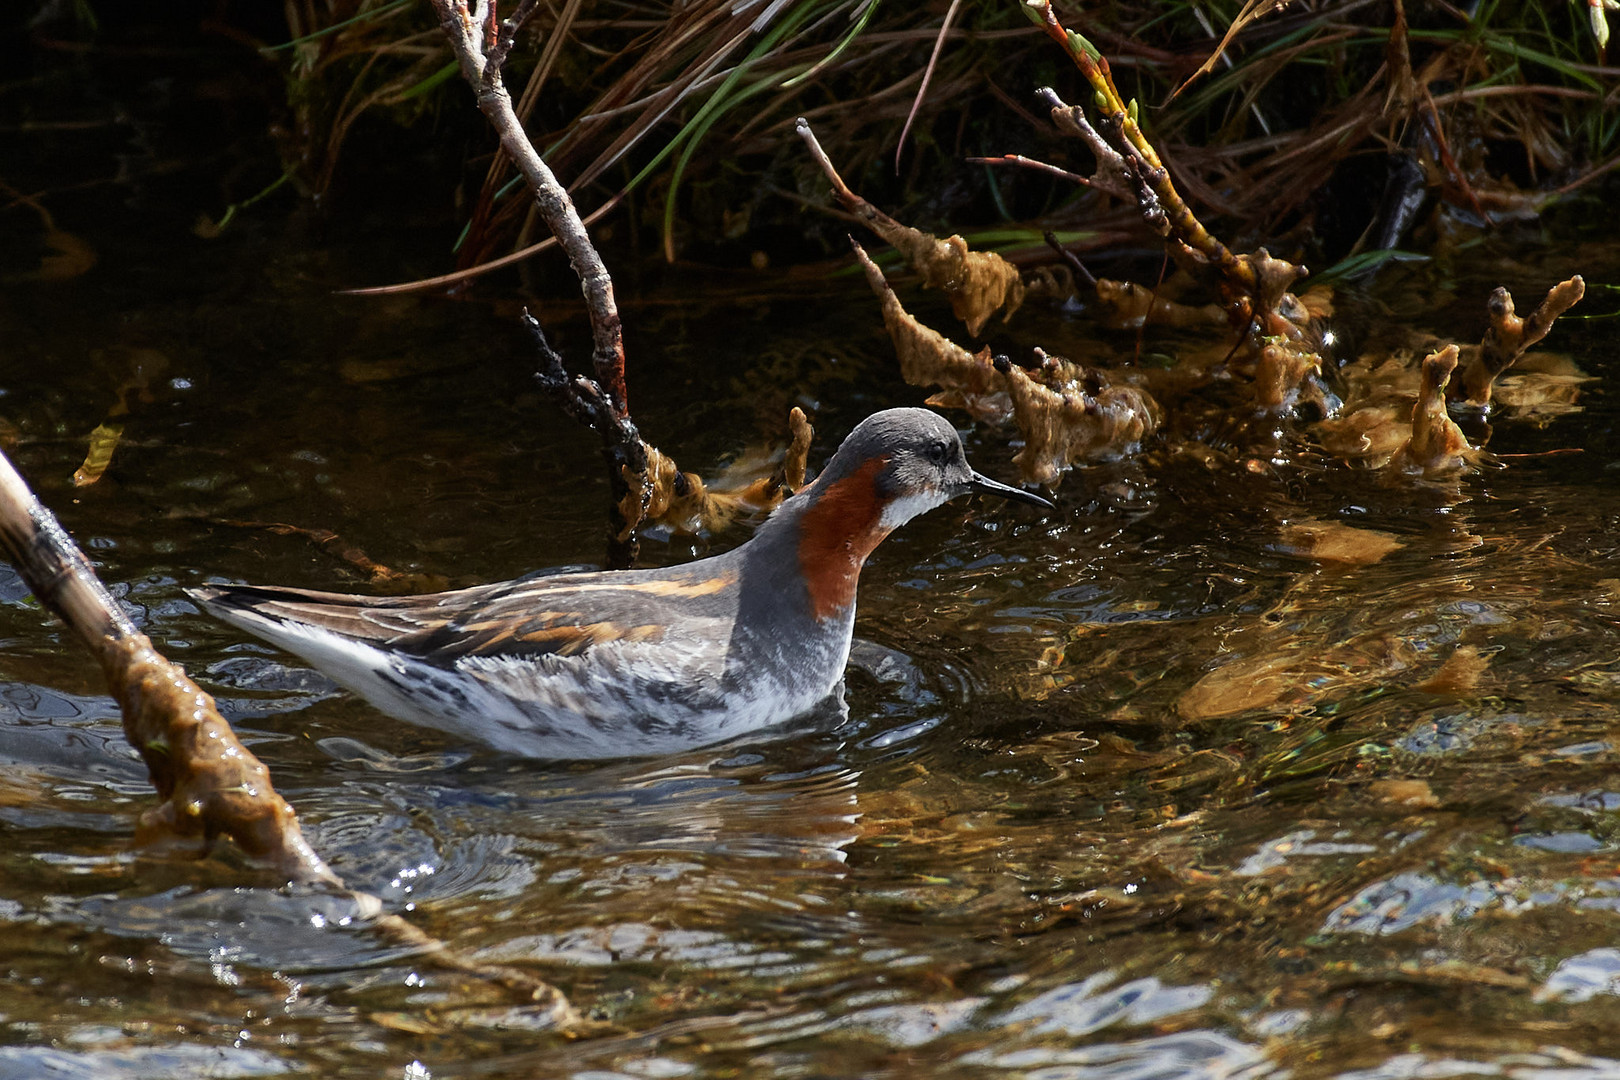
(937, 452)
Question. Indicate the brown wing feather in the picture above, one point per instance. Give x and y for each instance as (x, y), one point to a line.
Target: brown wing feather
(564, 615)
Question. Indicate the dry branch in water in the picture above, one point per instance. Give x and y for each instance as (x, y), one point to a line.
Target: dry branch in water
(481, 47)
(929, 358)
(211, 785)
(978, 283)
(1068, 413)
(645, 485)
(1437, 445)
(1509, 336)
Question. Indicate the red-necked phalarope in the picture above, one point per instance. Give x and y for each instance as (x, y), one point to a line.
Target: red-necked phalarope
(636, 662)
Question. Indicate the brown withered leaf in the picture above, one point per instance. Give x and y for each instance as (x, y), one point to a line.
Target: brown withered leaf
(1252, 10)
(1541, 386)
(978, 283)
(387, 581)
(1395, 416)
(1335, 542)
(929, 358)
(796, 459)
(1271, 667)
(1241, 686)
(1063, 422)
(69, 257)
(143, 366)
(1280, 373)
(1371, 434)
(1273, 306)
(103, 441)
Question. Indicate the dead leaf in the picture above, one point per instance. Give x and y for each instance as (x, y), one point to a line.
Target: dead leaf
(1414, 793)
(1437, 445)
(1459, 675)
(1509, 336)
(1128, 306)
(103, 441)
(1252, 10)
(978, 283)
(1335, 542)
(1280, 373)
(1269, 667)
(1239, 687)
(754, 483)
(70, 257)
(1371, 434)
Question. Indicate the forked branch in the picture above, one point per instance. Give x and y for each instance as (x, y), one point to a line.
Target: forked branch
(481, 45)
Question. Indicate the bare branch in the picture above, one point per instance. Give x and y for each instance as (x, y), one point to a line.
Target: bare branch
(211, 784)
(507, 36)
(551, 198)
(1112, 175)
(1030, 163)
(1070, 258)
(601, 402)
(1508, 337)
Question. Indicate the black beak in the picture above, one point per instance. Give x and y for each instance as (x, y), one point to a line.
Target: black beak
(986, 486)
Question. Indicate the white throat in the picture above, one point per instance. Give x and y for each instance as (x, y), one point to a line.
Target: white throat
(903, 509)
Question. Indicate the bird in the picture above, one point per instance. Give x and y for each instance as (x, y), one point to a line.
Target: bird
(633, 663)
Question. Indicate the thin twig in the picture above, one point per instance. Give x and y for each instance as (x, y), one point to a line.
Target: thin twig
(1113, 175)
(928, 77)
(1030, 163)
(471, 272)
(1070, 258)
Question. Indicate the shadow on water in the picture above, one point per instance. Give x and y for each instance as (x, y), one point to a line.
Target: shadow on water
(1147, 789)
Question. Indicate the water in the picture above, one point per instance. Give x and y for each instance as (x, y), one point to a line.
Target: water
(1138, 790)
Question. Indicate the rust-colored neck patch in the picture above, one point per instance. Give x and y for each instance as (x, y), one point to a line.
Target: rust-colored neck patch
(837, 534)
